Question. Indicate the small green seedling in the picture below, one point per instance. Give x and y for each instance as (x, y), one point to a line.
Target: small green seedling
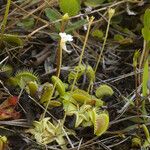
(136, 142)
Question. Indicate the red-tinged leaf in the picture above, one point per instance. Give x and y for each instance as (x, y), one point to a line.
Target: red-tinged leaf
(5, 113)
(9, 113)
(13, 100)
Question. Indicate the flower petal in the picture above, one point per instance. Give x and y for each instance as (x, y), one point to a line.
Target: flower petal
(65, 37)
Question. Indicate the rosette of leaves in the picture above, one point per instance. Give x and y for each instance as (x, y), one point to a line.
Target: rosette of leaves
(85, 108)
(86, 115)
(45, 132)
(82, 70)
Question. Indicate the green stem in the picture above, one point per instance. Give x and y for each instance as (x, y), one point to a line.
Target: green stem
(100, 55)
(90, 86)
(103, 46)
(59, 50)
(82, 52)
(4, 22)
(141, 60)
(59, 60)
(59, 63)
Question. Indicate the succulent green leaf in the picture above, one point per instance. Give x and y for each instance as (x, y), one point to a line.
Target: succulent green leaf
(3, 141)
(90, 73)
(6, 69)
(12, 81)
(46, 93)
(81, 114)
(146, 131)
(86, 123)
(98, 33)
(72, 7)
(81, 96)
(69, 108)
(12, 40)
(79, 119)
(53, 15)
(93, 3)
(92, 115)
(32, 88)
(24, 77)
(61, 141)
(101, 124)
(121, 40)
(98, 102)
(55, 103)
(146, 33)
(147, 134)
(104, 90)
(145, 79)
(147, 19)
(146, 144)
(27, 23)
(81, 70)
(67, 97)
(129, 32)
(118, 37)
(135, 58)
(59, 85)
(76, 25)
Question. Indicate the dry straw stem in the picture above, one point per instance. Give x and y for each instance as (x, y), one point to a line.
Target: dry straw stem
(82, 52)
(110, 13)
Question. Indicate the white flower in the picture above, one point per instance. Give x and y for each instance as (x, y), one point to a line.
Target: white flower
(64, 38)
(88, 9)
